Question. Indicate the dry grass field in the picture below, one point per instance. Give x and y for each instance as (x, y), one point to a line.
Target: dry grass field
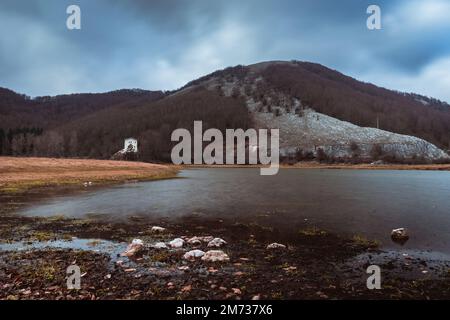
(20, 174)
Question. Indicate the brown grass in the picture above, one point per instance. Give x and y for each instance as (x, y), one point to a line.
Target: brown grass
(365, 166)
(20, 174)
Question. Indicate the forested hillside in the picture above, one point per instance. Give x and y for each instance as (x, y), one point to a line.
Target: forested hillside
(99, 133)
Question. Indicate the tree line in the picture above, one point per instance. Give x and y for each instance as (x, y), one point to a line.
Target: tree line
(101, 134)
(19, 141)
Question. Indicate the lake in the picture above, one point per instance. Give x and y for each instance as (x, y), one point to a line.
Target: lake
(366, 202)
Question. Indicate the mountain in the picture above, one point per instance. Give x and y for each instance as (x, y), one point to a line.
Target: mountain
(318, 108)
(320, 112)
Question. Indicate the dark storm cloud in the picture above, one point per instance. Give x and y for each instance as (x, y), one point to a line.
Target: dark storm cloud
(172, 15)
(163, 44)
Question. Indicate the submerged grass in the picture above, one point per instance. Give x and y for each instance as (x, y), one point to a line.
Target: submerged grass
(364, 242)
(312, 232)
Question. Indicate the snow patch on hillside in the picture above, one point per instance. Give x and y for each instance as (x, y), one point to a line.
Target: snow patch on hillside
(312, 130)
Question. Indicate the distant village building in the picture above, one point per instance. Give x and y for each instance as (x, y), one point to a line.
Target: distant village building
(129, 151)
(130, 145)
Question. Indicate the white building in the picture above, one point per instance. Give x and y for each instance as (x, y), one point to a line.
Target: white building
(130, 145)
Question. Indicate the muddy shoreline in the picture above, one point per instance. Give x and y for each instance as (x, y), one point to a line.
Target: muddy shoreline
(35, 252)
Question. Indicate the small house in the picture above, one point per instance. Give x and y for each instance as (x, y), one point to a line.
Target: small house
(130, 145)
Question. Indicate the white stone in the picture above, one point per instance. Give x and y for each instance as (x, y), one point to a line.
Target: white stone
(176, 243)
(137, 242)
(276, 246)
(160, 245)
(134, 247)
(158, 229)
(399, 234)
(207, 238)
(191, 255)
(217, 242)
(194, 241)
(215, 256)
(198, 240)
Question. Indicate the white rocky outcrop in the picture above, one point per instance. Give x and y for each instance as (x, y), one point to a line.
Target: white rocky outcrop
(314, 130)
(309, 130)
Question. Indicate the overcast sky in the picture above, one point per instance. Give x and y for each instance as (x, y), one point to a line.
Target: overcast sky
(164, 44)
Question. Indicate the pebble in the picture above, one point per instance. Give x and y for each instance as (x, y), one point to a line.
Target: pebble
(215, 256)
(134, 247)
(191, 255)
(158, 229)
(236, 291)
(159, 245)
(217, 242)
(176, 243)
(276, 246)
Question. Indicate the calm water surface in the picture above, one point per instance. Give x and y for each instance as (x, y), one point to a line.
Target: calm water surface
(368, 202)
